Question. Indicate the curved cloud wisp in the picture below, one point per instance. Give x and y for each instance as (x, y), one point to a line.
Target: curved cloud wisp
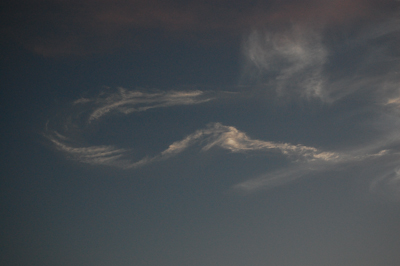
(89, 110)
(214, 135)
(126, 102)
(306, 160)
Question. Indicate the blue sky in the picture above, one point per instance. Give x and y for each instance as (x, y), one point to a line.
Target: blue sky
(200, 133)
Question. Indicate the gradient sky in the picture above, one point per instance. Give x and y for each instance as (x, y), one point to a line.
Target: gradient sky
(199, 133)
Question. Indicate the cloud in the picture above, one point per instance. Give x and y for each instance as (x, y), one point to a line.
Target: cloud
(304, 169)
(358, 71)
(306, 61)
(125, 101)
(358, 75)
(95, 155)
(229, 138)
(375, 163)
(85, 111)
(291, 61)
(62, 28)
(214, 135)
(305, 161)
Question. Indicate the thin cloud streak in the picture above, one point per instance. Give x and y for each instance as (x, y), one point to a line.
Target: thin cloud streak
(126, 102)
(214, 135)
(229, 138)
(306, 169)
(95, 155)
(274, 179)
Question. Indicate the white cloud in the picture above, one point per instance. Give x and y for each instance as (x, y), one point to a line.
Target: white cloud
(125, 101)
(214, 135)
(329, 161)
(230, 138)
(95, 155)
(291, 61)
(362, 68)
(87, 110)
(306, 160)
(297, 63)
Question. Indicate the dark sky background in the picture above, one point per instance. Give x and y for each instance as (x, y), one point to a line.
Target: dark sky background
(200, 133)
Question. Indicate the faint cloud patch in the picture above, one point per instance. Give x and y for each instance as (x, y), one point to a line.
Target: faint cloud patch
(290, 62)
(388, 184)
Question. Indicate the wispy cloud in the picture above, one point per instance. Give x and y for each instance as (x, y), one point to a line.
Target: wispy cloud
(309, 168)
(214, 135)
(230, 138)
(305, 161)
(85, 111)
(360, 72)
(126, 101)
(291, 61)
(95, 155)
(362, 68)
(299, 61)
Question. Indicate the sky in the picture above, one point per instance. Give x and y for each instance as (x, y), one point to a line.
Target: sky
(200, 133)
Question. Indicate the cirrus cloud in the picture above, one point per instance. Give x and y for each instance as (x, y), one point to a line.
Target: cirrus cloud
(358, 73)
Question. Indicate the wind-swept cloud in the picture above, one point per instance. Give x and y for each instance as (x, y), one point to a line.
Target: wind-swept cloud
(85, 111)
(357, 74)
(362, 69)
(88, 110)
(214, 135)
(125, 101)
(291, 61)
(95, 155)
(230, 138)
(302, 61)
(305, 160)
(309, 168)
(294, 62)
